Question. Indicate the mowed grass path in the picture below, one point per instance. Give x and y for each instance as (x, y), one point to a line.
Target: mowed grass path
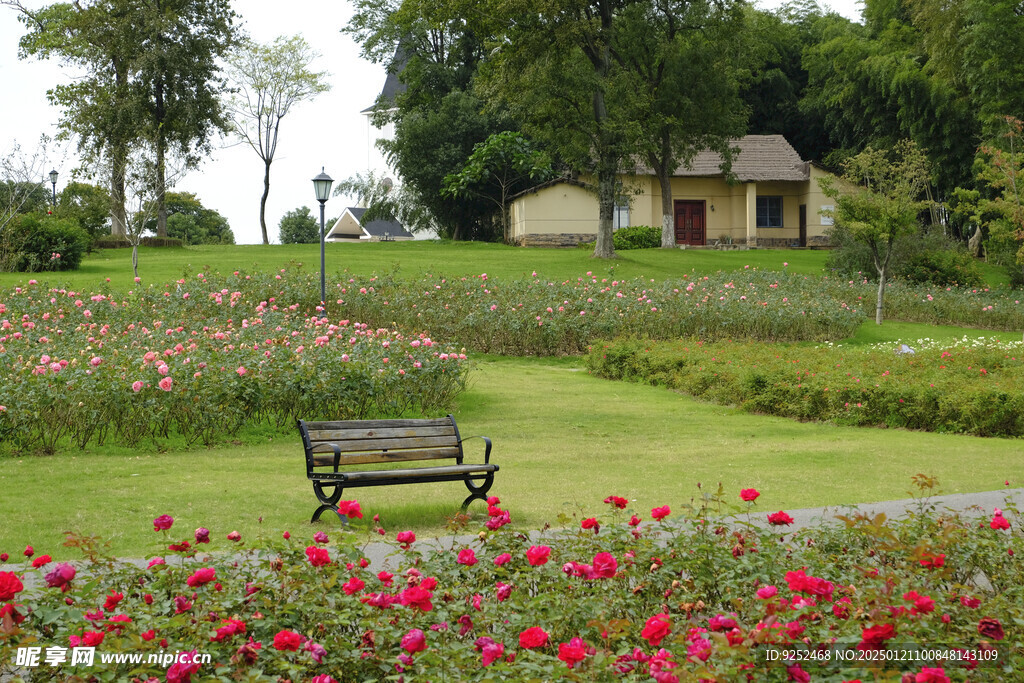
(564, 441)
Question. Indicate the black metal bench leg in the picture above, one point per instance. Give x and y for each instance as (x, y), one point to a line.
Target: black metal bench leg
(327, 502)
(477, 492)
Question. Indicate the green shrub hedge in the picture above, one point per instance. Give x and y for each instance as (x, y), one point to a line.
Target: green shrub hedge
(966, 387)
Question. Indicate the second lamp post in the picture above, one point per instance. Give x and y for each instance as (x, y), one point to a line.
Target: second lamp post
(322, 185)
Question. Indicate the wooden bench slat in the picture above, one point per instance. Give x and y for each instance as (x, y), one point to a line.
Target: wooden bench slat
(379, 424)
(419, 472)
(379, 433)
(324, 459)
(406, 443)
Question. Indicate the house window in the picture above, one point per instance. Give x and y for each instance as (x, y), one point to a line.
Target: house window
(769, 212)
(620, 218)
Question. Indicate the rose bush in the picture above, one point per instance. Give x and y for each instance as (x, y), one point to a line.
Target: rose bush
(697, 596)
(203, 358)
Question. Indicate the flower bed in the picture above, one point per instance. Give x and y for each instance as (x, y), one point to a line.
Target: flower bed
(967, 387)
(627, 596)
(201, 358)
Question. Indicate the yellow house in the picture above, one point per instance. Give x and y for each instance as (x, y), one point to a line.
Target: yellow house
(773, 200)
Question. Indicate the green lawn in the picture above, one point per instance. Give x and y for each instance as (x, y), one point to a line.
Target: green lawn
(413, 259)
(564, 441)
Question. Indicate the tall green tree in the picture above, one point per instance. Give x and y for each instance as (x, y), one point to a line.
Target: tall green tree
(177, 83)
(502, 165)
(87, 204)
(97, 108)
(880, 201)
(682, 61)
(554, 69)
(434, 48)
(271, 79)
(191, 222)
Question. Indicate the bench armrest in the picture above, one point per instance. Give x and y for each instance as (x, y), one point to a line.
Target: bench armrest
(487, 449)
(337, 456)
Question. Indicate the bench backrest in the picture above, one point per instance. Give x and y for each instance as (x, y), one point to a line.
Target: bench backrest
(364, 442)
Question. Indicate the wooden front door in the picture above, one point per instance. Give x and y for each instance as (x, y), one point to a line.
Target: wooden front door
(803, 225)
(690, 225)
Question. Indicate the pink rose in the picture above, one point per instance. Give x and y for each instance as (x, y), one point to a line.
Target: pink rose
(166, 383)
(137, 386)
(201, 577)
(414, 641)
(467, 557)
(163, 523)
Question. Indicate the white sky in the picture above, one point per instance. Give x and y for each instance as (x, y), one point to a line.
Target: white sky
(326, 132)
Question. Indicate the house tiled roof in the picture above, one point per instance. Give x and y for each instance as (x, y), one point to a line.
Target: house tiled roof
(760, 158)
(378, 228)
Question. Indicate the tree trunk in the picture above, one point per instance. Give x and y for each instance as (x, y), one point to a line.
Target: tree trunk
(118, 217)
(135, 258)
(263, 201)
(668, 229)
(882, 266)
(605, 247)
(161, 186)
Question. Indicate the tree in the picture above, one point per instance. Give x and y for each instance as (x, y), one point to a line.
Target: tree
(177, 85)
(87, 204)
(97, 108)
(384, 201)
(554, 69)
(680, 59)
(498, 167)
(191, 222)
(435, 48)
(1000, 166)
(882, 202)
(299, 227)
(271, 79)
(152, 76)
(21, 184)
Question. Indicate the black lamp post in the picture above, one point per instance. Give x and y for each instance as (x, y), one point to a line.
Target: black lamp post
(53, 180)
(322, 185)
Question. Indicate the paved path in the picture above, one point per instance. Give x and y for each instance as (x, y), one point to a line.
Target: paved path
(983, 502)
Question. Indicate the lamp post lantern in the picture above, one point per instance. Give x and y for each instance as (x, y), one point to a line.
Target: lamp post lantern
(53, 180)
(322, 186)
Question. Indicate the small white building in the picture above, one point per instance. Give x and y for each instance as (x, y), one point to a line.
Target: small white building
(351, 228)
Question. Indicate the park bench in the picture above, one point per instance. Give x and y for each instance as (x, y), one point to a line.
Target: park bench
(348, 453)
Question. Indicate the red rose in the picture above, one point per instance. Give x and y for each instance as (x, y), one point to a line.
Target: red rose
(414, 641)
(112, 600)
(573, 652)
(182, 670)
(874, 637)
(350, 508)
(318, 557)
(749, 495)
(10, 585)
(353, 585)
(533, 637)
(163, 523)
(538, 554)
(991, 628)
(406, 539)
(41, 561)
(92, 638)
(202, 535)
(656, 629)
(661, 513)
(931, 675)
(60, 576)
(228, 628)
(933, 562)
(779, 518)
(235, 537)
(605, 565)
(467, 557)
(287, 640)
(591, 523)
(201, 577)
(417, 597)
(148, 635)
(29, 551)
(799, 582)
(617, 502)
(999, 522)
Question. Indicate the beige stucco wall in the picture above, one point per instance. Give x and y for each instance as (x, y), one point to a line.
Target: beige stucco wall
(569, 209)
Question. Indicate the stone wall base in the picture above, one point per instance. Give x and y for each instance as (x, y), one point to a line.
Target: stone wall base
(563, 239)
